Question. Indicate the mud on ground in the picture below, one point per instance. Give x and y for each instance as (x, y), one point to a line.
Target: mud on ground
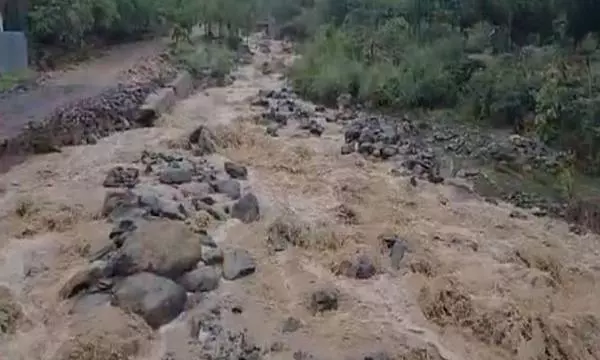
(348, 259)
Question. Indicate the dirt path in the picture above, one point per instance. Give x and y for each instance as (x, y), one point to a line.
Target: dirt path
(61, 87)
(474, 282)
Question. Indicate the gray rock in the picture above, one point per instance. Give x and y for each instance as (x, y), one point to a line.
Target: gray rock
(203, 141)
(324, 299)
(361, 268)
(118, 203)
(388, 152)
(397, 253)
(203, 279)
(230, 187)
(166, 248)
(378, 355)
(246, 209)
(156, 299)
(176, 173)
(236, 171)
(121, 177)
(272, 130)
(212, 255)
(291, 324)
(170, 209)
(347, 149)
(196, 189)
(238, 263)
(207, 240)
(518, 215)
(366, 148)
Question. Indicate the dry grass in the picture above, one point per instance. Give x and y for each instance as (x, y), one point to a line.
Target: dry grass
(34, 216)
(10, 312)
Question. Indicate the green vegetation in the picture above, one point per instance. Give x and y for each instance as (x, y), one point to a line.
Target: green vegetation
(10, 80)
(529, 65)
(69, 26)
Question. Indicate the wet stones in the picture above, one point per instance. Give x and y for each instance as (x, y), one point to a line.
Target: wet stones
(203, 279)
(238, 263)
(246, 209)
(203, 141)
(120, 177)
(229, 187)
(236, 171)
(290, 325)
(324, 299)
(360, 268)
(396, 249)
(176, 173)
(156, 299)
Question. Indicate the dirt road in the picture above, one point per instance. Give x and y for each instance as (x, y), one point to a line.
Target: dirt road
(83, 80)
(471, 281)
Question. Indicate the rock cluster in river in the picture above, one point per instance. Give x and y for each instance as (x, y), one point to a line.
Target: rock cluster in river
(155, 253)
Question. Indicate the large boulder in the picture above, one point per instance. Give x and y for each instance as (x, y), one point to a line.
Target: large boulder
(166, 248)
(156, 299)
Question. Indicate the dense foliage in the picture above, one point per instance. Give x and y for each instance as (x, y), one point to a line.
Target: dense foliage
(526, 64)
(70, 24)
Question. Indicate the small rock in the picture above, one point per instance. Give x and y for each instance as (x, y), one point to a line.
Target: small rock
(316, 128)
(324, 299)
(119, 204)
(246, 209)
(156, 299)
(176, 174)
(121, 177)
(203, 141)
(538, 212)
(207, 240)
(237, 264)
(362, 268)
(236, 171)
(366, 148)
(397, 248)
(272, 130)
(196, 189)
(388, 151)
(291, 324)
(517, 215)
(379, 355)
(347, 149)
(203, 279)
(230, 187)
(170, 209)
(212, 255)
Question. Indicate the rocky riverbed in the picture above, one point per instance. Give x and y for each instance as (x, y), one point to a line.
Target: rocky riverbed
(250, 224)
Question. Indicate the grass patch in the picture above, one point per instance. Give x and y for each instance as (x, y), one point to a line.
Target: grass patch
(10, 80)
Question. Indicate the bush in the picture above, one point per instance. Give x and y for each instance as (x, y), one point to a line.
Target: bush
(203, 60)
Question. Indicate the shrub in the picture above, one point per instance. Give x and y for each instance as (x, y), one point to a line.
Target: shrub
(203, 60)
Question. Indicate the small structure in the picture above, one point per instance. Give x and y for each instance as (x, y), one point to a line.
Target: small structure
(13, 42)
